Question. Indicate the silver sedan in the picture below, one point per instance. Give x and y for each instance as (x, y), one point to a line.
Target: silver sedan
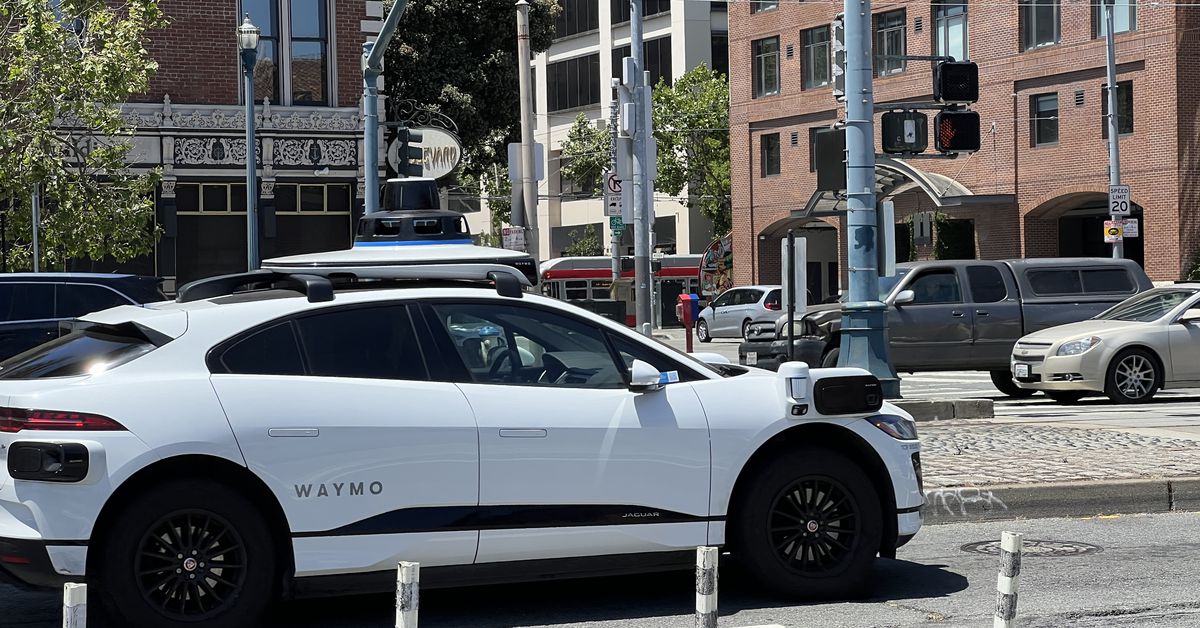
(1129, 352)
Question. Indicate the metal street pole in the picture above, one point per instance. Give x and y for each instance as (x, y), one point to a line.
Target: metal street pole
(372, 67)
(641, 213)
(528, 174)
(1114, 144)
(864, 317)
(615, 241)
(248, 43)
(36, 207)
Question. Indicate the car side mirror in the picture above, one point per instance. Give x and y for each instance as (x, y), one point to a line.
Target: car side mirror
(905, 297)
(644, 377)
(1190, 317)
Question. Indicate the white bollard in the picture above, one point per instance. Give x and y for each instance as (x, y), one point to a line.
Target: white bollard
(1006, 582)
(74, 605)
(408, 594)
(706, 587)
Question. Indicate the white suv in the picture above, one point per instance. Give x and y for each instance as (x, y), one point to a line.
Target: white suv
(196, 459)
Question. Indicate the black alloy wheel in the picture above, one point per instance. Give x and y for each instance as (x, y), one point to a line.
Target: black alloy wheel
(190, 565)
(814, 525)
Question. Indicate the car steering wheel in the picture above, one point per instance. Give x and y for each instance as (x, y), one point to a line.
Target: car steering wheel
(494, 371)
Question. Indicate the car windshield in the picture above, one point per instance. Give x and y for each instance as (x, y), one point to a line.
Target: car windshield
(1148, 306)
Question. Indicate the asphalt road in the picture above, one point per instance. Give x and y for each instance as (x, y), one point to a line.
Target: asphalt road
(1145, 572)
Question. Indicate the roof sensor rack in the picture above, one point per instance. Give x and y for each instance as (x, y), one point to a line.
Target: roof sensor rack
(315, 287)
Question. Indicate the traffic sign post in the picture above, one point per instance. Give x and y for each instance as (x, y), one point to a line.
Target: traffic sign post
(1118, 200)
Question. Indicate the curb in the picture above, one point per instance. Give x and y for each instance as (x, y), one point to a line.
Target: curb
(1060, 499)
(926, 410)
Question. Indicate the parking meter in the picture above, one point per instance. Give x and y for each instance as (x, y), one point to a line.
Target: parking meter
(687, 309)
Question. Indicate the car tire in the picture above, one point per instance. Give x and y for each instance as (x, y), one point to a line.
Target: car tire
(229, 559)
(1003, 382)
(1066, 397)
(746, 329)
(783, 526)
(831, 358)
(1133, 377)
(702, 333)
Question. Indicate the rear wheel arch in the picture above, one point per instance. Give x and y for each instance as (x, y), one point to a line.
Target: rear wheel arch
(200, 467)
(837, 439)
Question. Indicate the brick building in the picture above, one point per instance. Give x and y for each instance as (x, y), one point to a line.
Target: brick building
(1038, 185)
(191, 124)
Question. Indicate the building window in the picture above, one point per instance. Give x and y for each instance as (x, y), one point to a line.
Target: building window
(1043, 111)
(758, 6)
(570, 189)
(889, 43)
(1124, 17)
(812, 147)
(293, 65)
(950, 29)
(766, 67)
(656, 55)
(1039, 23)
(329, 198)
(814, 44)
(769, 155)
(573, 83)
(1124, 108)
(577, 16)
(715, 6)
(720, 53)
(619, 9)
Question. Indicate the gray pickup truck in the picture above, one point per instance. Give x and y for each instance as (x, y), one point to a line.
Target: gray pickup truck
(960, 315)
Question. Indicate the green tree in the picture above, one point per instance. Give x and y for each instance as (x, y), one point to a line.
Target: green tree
(691, 127)
(459, 57)
(65, 67)
(583, 244)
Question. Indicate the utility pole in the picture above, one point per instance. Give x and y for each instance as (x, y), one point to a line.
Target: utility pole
(641, 212)
(1114, 143)
(529, 221)
(36, 207)
(372, 67)
(614, 132)
(864, 317)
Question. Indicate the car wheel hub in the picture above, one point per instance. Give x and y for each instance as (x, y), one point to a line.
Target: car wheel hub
(190, 565)
(814, 525)
(1135, 376)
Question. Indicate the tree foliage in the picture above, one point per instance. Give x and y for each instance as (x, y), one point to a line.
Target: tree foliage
(691, 122)
(583, 243)
(459, 57)
(65, 67)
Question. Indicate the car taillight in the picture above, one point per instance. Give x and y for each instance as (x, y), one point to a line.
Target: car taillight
(14, 420)
(773, 305)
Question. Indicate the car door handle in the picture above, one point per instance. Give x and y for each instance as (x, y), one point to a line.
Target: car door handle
(514, 433)
(299, 432)
(982, 313)
(957, 313)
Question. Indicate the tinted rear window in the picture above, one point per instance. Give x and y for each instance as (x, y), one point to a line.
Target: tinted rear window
(83, 352)
(1108, 280)
(1051, 282)
(26, 301)
(272, 351)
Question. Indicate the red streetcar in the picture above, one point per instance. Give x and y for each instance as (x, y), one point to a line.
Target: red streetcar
(590, 279)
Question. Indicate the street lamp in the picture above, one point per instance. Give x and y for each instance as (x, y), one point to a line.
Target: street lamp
(247, 35)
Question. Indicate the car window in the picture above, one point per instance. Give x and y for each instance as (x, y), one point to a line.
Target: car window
(630, 351)
(1108, 280)
(774, 299)
(272, 351)
(987, 284)
(75, 300)
(87, 351)
(750, 297)
(1148, 306)
(936, 286)
(1051, 282)
(26, 301)
(519, 345)
(726, 299)
(374, 342)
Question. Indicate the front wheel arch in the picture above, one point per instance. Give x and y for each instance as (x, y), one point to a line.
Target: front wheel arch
(838, 439)
(1154, 356)
(212, 468)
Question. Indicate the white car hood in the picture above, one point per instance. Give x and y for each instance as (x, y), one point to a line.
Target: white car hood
(1082, 329)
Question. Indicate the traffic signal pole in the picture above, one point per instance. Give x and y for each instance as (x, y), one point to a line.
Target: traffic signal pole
(528, 218)
(641, 212)
(372, 67)
(864, 317)
(1114, 142)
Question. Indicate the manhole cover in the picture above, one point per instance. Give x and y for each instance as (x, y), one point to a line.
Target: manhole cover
(1036, 548)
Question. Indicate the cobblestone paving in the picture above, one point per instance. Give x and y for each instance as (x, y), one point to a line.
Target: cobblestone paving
(975, 453)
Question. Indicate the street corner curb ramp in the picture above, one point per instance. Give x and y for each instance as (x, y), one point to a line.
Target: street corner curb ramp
(1060, 499)
(929, 410)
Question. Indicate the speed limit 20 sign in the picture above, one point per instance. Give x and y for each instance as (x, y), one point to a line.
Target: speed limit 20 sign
(1118, 200)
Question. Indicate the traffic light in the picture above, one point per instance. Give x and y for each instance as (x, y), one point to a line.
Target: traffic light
(410, 156)
(956, 131)
(838, 67)
(956, 82)
(905, 132)
(830, 151)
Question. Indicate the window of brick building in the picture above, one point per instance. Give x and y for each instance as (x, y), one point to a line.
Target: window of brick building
(1124, 108)
(1039, 23)
(294, 66)
(758, 6)
(573, 83)
(950, 28)
(1043, 114)
(1124, 18)
(814, 44)
(890, 43)
(769, 155)
(766, 67)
